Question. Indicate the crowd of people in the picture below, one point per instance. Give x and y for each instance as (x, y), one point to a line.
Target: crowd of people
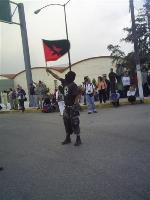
(15, 97)
(109, 87)
(114, 87)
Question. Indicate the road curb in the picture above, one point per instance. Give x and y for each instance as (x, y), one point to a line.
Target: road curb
(83, 107)
(109, 105)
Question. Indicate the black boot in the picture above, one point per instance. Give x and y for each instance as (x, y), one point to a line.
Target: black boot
(67, 140)
(78, 141)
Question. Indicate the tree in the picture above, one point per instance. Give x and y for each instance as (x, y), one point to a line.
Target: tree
(116, 53)
(143, 34)
(142, 31)
(147, 12)
(120, 59)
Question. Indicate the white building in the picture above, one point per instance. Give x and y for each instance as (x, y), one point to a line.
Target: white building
(91, 67)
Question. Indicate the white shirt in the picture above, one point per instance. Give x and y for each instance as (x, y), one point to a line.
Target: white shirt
(89, 88)
(131, 93)
(125, 80)
(59, 96)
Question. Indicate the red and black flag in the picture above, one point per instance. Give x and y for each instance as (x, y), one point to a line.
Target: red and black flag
(53, 50)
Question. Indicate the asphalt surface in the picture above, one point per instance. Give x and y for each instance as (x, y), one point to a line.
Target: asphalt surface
(113, 163)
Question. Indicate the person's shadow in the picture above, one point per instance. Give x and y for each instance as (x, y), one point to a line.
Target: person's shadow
(1, 168)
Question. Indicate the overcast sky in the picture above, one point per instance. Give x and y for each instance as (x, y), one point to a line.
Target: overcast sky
(92, 25)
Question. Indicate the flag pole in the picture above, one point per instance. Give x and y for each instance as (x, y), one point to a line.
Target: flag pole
(46, 67)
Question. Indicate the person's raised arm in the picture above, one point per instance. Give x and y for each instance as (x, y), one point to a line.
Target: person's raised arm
(53, 74)
(34, 83)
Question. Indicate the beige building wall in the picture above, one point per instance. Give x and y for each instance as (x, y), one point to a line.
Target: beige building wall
(92, 67)
(37, 74)
(20, 79)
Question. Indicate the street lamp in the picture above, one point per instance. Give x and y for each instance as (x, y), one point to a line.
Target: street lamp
(63, 5)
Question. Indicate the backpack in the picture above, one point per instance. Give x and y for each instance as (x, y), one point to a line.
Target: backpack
(114, 97)
(47, 108)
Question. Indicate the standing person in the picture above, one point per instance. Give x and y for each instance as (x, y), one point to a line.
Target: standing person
(102, 88)
(112, 79)
(10, 95)
(126, 83)
(108, 86)
(60, 99)
(71, 112)
(90, 91)
(148, 81)
(84, 94)
(39, 91)
(4, 97)
(145, 83)
(32, 96)
(21, 98)
(14, 99)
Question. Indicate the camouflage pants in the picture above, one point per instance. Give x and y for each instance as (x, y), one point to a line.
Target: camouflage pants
(71, 120)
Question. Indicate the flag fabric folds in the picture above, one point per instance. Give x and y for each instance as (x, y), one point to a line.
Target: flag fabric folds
(53, 50)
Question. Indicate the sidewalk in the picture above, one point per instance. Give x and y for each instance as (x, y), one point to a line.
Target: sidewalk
(123, 101)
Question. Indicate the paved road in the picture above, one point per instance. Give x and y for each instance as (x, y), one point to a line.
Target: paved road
(112, 164)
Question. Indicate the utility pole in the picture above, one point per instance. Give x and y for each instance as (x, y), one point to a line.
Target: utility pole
(147, 7)
(136, 51)
(25, 45)
(148, 16)
(6, 16)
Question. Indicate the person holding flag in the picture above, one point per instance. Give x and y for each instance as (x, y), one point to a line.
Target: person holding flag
(53, 50)
(71, 112)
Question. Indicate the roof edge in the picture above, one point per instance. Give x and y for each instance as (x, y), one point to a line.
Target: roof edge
(60, 69)
(86, 60)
